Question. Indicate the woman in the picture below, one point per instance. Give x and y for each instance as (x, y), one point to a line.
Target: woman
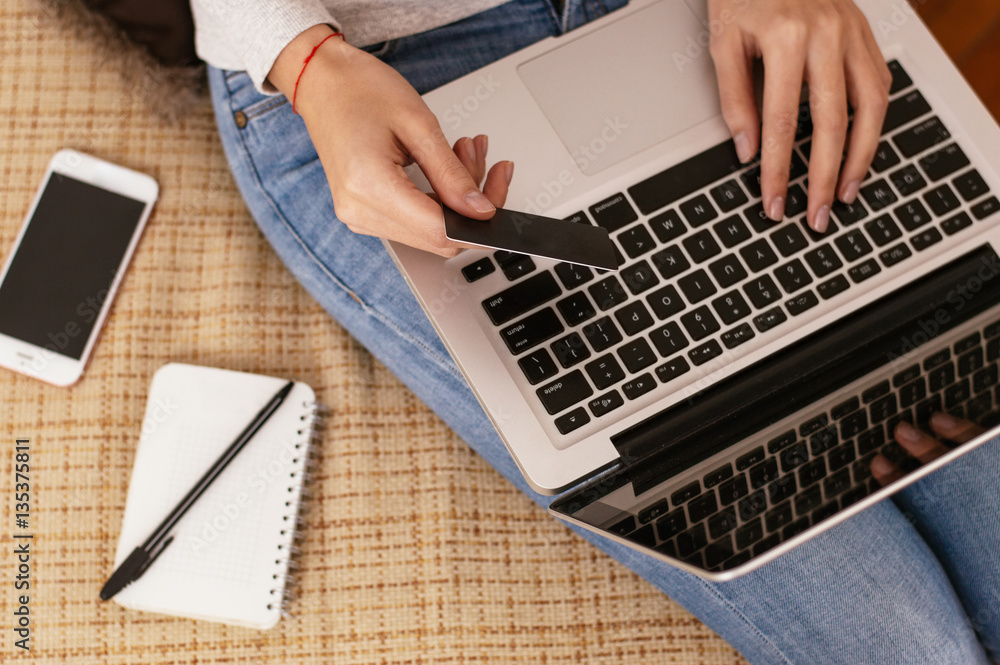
(913, 580)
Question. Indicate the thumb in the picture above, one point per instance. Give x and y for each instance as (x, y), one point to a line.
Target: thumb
(449, 178)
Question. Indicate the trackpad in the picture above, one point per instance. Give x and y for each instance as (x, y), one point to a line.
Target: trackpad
(628, 86)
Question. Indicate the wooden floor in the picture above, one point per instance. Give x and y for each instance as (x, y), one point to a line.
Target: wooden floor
(969, 30)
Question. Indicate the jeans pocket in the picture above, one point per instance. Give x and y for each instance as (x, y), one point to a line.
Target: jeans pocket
(381, 49)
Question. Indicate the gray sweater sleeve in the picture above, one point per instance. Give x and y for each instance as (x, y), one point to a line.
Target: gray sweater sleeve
(249, 34)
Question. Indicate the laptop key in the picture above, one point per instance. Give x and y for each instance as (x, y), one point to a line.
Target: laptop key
(606, 403)
(823, 440)
(670, 262)
(759, 255)
(863, 271)
(722, 523)
(936, 359)
(733, 490)
(650, 513)
(749, 533)
(700, 323)
(871, 440)
(941, 377)
(573, 420)
(762, 291)
(900, 79)
(633, 318)
(623, 527)
(613, 213)
(970, 362)
(607, 293)
(698, 210)
(895, 254)
(478, 269)
(953, 225)
(942, 200)
(731, 307)
(883, 408)
(853, 245)
(841, 456)
(792, 276)
(912, 392)
(795, 201)
(920, 137)
(636, 241)
(702, 354)
(903, 109)
(702, 506)
(672, 369)
(984, 209)
(944, 162)
(806, 500)
(637, 355)
(883, 230)
(669, 339)
(697, 286)
(957, 394)
(573, 275)
(849, 406)
(789, 239)
(713, 478)
(738, 335)
(778, 516)
(690, 541)
(605, 371)
(671, 524)
(514, 265)
(732, 231)
(849, 213)
(971, 185)
(878, 194)
(570, 350)
(876, 391)
(521, 297)
(801, 302)
(885, 157)
(912, 215)
(907, 180)
(729, 195)
(968, 343)
(602, 334)
(531, 330)
(781, 442)
(564, 392)
(769, 319)
(813, 425)
(853, 424)
(812, 472)
(665, 302)
(686, 493)
(701, 246)
(639, 386)
(823, 260)
(763, 473)
(744, 462)
(752, 505)
(537, 366)
(925, 239)
(782, 488)
(667, 226)
(793, 457)
(576, 308)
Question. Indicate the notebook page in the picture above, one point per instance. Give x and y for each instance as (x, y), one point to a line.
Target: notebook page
(228, 559)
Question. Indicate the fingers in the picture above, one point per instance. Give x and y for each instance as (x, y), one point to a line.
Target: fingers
(920, 445)
(445, 171)
(734, 70)
(498, 182)
(784, 61)
(884, 471)
(868, 83)
(472, 153)
(954, 429)
(828, 106)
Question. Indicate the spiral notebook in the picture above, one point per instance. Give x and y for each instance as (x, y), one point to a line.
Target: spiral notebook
(232, 552)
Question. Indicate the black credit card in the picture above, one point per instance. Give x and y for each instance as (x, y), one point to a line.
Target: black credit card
(525, 233)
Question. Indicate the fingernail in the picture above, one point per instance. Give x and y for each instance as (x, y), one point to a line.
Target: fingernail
(851, 191)
(777, 209)
(743, 147)
(470, 150)
(942, 420)
(822, 219)
(510, 172)
(906, 431)
(478, 201)
(486, 144)
(881, 466)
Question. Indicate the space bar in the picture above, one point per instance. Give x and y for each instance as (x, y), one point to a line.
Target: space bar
(689, 176)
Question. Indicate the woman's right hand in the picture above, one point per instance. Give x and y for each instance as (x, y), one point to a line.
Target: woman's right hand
(367, 123)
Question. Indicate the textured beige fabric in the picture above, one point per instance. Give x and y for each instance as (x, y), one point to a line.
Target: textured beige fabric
(415, 550)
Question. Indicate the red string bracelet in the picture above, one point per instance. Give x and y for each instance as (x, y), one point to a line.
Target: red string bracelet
(305, 63)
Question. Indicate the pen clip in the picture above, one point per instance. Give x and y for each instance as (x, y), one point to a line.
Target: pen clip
(152, 558)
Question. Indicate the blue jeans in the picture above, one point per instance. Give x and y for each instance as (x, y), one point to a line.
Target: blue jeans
(913, 580)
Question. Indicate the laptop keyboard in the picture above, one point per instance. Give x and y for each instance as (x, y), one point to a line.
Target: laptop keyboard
(704, 270)
(808, 473)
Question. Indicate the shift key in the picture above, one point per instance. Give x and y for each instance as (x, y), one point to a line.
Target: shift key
(521, 297)
(531, 330)
(564, 392)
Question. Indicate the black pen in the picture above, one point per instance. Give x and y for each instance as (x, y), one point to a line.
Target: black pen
(143, 556)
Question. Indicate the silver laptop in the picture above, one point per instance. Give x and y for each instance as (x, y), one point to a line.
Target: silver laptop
(719, 399)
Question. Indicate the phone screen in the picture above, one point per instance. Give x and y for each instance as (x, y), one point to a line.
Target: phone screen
(65, 264)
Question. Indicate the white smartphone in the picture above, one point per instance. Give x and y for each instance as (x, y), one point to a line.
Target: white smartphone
(60, 278)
